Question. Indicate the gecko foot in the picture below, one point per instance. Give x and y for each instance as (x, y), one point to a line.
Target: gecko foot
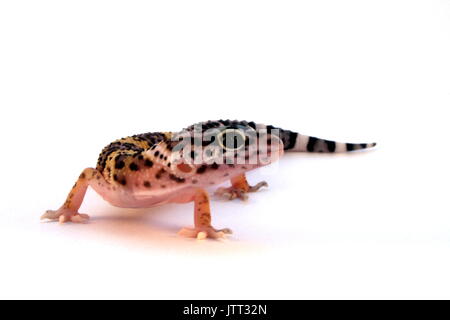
(64, 215)
(236, 192)
(204, 232)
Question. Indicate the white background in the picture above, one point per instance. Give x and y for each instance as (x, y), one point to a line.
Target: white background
(76, 75)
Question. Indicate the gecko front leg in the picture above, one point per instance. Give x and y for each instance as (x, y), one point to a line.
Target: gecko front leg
(69, 210)
(202, 220)
(239, 188)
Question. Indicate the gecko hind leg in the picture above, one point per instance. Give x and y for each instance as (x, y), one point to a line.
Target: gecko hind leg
(202, 220)
(239, 188)
(69, 210)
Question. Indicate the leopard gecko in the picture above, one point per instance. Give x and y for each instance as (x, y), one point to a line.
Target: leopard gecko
(156, 168)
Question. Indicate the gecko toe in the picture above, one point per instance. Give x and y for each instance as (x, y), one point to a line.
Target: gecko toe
(64, 215)
(258, 186)
(204, 233)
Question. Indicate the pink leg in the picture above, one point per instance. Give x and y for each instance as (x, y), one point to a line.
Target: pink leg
(69, 210)
(202, 220)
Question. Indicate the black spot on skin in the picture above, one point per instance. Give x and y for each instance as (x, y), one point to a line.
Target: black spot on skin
(161, 156)
(82, 175)
(311, 144)
(165, 158)
(120, 164)
(206, 143)
(169, 164)
(350, 146)
(123, 181)
(134, 167)
(195, 142)
(147, 184)
(141, 157)
(290, 143)
(159, 173)
(176, 179)
(156, 153)
(115, 177)
(270, 128)
(247, 142)
(201, 169)
(214, 166)
(331, 145)
(148, 163)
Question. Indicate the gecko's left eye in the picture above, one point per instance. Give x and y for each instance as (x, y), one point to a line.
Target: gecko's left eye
(231, 139)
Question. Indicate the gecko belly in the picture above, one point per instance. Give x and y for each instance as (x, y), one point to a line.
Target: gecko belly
(141, 198)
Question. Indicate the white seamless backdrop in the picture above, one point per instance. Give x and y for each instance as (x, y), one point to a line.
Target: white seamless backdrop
(75, 75)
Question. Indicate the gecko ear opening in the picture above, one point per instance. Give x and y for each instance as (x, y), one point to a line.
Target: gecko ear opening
(183, 167)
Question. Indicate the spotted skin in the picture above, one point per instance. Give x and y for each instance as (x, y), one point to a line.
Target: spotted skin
(156, 168)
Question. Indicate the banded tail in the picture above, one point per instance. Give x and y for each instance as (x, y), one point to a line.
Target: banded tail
(292, 141)
(295, 142)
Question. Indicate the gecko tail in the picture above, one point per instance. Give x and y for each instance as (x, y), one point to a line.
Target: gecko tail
(295, 142)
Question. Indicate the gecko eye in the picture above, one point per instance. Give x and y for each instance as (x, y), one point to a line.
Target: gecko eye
(231, 139)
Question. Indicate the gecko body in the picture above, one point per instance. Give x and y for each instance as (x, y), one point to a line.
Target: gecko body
(156, 168)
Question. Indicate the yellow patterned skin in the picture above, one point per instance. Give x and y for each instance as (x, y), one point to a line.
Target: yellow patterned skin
(126, 155)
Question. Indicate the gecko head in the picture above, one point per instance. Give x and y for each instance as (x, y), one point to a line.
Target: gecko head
(234, 145)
